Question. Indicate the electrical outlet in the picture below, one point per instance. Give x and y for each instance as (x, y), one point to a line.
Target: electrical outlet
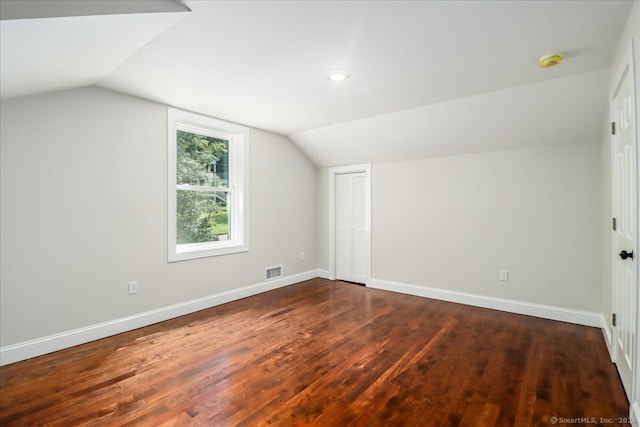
(504, 276)
(133, 287)
(301, 256)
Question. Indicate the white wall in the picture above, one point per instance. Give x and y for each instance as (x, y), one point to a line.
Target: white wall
(322, 179)
(454, 222)
(83, 211)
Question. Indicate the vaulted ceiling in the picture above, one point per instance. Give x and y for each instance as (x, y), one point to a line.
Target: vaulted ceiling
(427, 78)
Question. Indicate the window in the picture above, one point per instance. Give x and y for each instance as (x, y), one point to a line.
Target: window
(208, 200)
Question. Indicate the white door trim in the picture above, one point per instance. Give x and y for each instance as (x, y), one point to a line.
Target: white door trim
(626, 66)
(333, 172)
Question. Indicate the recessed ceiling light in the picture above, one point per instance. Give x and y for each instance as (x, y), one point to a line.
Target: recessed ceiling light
(338, 76)
(550, 60)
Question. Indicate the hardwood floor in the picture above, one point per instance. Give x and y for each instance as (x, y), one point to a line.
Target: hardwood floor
(323, 353)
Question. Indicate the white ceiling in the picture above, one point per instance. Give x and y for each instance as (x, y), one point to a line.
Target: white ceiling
(427, 77)
(564, 110)
(91, 39)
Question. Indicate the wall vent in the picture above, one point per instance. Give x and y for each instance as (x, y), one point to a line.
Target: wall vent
(273, 272)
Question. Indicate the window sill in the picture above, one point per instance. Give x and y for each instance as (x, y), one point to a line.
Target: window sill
(204, 250)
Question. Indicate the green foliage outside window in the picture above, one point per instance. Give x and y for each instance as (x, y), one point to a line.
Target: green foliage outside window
(201, 215)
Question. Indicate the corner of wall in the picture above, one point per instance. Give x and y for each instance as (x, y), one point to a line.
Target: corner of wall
(322, 242)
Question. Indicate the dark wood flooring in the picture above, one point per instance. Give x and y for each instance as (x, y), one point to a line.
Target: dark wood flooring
(324, 353)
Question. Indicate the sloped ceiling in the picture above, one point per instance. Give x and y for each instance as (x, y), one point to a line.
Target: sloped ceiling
(60, 44)
(565, 110)
(427, 77)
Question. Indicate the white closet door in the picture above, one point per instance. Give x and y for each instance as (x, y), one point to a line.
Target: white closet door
(351, 228)
(625, 284)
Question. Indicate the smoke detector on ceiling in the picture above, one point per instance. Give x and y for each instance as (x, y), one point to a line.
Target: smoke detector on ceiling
(550, 60)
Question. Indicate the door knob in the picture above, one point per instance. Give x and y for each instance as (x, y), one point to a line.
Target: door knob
(625, 254)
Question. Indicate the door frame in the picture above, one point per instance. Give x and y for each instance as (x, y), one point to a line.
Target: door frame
(341, 170)
(626, 67)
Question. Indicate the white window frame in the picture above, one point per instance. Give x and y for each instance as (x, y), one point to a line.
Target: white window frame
(238, 137)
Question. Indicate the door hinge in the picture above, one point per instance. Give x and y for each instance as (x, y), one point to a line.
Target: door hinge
(613, 128)
(614, 224)
(613, 319)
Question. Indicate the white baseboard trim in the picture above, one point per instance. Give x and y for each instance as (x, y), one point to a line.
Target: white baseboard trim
(325, 274)
(519, 307)
(608, 337)
(635, 413)
(37, 347)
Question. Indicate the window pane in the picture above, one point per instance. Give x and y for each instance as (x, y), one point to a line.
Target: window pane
(201, 216)
(202, 160)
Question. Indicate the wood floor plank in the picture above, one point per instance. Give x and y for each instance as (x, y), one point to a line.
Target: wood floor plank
(323, 353)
